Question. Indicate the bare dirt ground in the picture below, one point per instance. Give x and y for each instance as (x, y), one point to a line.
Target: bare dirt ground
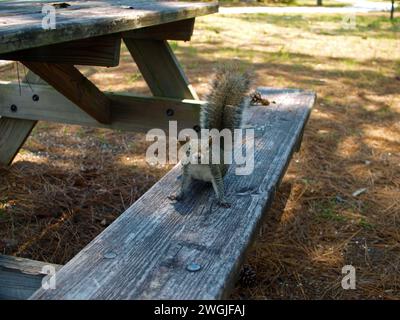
(68, 183)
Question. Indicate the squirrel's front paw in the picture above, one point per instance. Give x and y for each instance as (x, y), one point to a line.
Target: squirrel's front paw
(224, 204)
(175, 197)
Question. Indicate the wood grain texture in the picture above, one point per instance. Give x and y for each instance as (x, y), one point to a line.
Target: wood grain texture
(177, 30)
(14, 132)
(144, 253)
(160, 68)
(6, 65)
(128, 112)
(99, 51)
(22, 21)
(73, 85)
(20, 278)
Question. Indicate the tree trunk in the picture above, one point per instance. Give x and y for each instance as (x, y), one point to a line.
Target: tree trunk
(319, 3)
(392, 11)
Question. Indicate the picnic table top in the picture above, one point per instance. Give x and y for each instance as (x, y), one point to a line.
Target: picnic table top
(21, 22)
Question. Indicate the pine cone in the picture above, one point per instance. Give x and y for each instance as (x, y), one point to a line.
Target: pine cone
(257, 99)
(247, 277)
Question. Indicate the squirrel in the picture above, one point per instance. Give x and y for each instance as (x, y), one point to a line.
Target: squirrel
(223, 110)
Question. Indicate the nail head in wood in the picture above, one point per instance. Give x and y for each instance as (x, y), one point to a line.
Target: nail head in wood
(170, 112)
(193, 267)
(110, 255)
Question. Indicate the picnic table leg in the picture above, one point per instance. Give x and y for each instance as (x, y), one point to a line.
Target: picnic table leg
(300, 138)
(14, 132)
(160, 68)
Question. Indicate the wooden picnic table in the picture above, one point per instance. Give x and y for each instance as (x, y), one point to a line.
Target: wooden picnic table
(90, 33)
(150, 250)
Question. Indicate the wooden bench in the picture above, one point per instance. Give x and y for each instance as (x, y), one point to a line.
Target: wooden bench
(20, 278)
(157, 248)
(153, 249)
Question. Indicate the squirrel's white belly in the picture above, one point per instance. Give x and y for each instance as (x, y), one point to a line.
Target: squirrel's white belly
(200, 172)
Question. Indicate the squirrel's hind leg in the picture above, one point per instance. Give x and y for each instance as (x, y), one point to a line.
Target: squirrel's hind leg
(218, 185)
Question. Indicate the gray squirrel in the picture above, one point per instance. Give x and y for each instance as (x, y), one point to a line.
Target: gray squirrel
(223, 110)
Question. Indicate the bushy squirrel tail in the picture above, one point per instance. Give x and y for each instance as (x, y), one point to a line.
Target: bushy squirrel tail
(226, 99)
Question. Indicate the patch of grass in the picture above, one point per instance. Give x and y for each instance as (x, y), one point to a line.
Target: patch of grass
(350, 62)
(174, 45)
(66, 130)
(282, 55)
(329, 136)
(328, 210)
(101, 137)
(23, 151)
(397, 67)
(328, 100)
(279, 3)
(190, 50)
(313, 3)
(214, 29)
(381, 26)
(384, 111)
(80, 133)
(365, 25)
(287, 21)
(365, 224)
(134, 77)
(329, 214)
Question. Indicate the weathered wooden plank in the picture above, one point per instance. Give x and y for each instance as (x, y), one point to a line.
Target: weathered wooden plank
(128, 112)
(22, 22)
(300, 137)
(73, 85)
(6, 65)
(20, 278)
(99, 51)
(177, 30)
(160, 68)
(144, 254)
(14, 132)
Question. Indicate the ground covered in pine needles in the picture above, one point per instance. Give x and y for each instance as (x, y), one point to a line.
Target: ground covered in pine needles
(338, 204)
